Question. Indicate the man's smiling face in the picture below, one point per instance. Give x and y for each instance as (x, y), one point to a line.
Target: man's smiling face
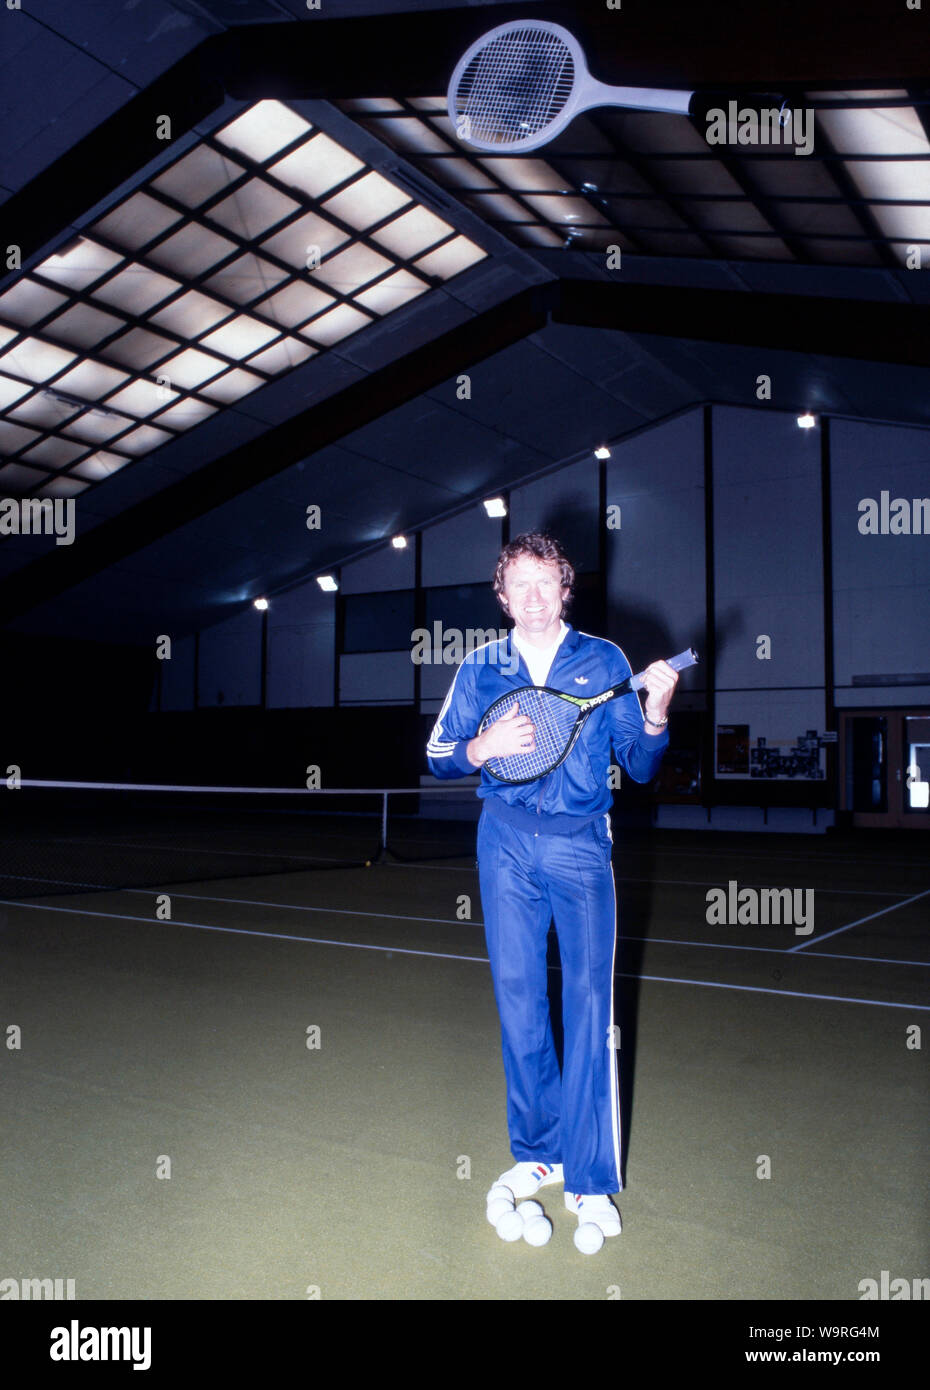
(535, 597)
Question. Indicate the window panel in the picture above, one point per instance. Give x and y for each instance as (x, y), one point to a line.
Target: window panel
(240, 336)
(450, 259)
(191, 368)
(412, 232)
(252, 209)
(290, 352)
(136, 221)
(233, 386)
(263, 130)
(192, 250)
(35, 360)
(55, 453)
(295, 303)
(29, 301)
(83, 326)
(192, 314)
(99, 465)
(316, 166)
(198, 176)
(78, 266)
(391, 293)
(139, 348)
(351, 269)
(136, 289)
(246, 278)
(337, 324)
(91, 380)
(143, 397)
(367, 201)
(293, 244)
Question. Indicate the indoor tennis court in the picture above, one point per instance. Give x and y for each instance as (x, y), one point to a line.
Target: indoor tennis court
(464, 465)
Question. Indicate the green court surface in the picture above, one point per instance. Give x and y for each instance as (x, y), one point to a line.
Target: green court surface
(358, 1166)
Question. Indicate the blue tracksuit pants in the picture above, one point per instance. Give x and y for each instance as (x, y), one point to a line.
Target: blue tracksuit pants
(528, 880)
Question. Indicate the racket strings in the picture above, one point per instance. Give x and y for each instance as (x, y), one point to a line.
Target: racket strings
(554, 722)
(516, 86)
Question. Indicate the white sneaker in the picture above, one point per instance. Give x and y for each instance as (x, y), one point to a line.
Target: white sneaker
(596, 1208)
(525, 1179)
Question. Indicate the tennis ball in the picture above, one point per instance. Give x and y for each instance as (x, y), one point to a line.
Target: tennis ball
(499, 1190)
(498, 1208)
(589, 1238)
(530, 1209)
(537, 1231)
(510, 1226)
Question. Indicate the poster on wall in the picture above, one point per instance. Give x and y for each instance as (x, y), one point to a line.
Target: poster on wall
(790, 758)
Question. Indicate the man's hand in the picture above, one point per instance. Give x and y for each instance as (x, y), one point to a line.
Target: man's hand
(659, 681)
(510, 734)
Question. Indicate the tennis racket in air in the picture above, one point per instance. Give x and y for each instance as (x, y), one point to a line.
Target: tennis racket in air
(558, 720)
(519, 86)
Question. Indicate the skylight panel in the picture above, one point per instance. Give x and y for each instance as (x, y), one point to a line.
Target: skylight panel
(245, 278)
(13, 437)
(136, 289)
(252, 209)
(367, 201)
(187, 413)
(10, 391)
(6, 335)
(339, 323)
(136, 221)
(44, 410)
(351, 269)
(450, 259)
(78, 266)
(192, 250)
(410, 134)
(28, 301)
(498, 205)
(143, 397)
(62, 487)
(280, 357)
(295, 303)
(191, 368)
(96, 426)
(84, 326)
(35, 360)
(99, 465)
(55, 453)
(240, 337)
(144, 439)
(316, 166)
(412, 232)
(90, 380)
(192, 314)
(310, 235)
(391, 293)
(263, 130)
(139, 348)
(18, 475)
(233, 386)
(198, 176)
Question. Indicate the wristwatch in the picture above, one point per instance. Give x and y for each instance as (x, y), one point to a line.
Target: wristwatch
(660, 725)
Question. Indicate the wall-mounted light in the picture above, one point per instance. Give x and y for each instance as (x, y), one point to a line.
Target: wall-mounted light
(495, 506)
(602, 453)
(399, 542)
(261, 604)
(807, 421)
(327, 583)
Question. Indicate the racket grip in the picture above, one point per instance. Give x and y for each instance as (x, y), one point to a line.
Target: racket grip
(688, 657)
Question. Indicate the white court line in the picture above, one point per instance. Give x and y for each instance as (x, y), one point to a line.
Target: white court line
(849, 925)
(456, 922)
(447, 955)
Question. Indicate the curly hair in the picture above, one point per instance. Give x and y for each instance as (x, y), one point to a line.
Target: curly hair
(539, 547)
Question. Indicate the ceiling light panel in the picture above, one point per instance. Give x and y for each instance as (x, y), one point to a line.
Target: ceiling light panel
(143, 398)
(136, 289)
(253, 209)
(293, 305)
(240, 337)
(191, 368)
(308, 238)
(97, 427)
(54, 453)
(90, 381)
(192, 314)
(265, 128)
(139, 348)
(99, 465)
(29, 301)
(316, 166)
(140, 219)
(366, 201)
(451, 259)
(35, 360)
(80, 265)
(198, 176)
(412, 232)
(245, 278)
(83, 326)
(389, 294)
(281, 356)
(351, 269)
(233, 386)
(339, 323)
(192, 251)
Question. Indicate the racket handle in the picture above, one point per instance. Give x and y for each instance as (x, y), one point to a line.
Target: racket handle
(688, 657)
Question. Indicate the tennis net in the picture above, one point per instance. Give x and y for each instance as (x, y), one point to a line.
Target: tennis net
(66, 837)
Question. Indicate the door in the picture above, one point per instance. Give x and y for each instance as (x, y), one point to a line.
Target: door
(885, 767)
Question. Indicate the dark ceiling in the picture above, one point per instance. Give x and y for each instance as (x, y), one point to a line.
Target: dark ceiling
(562, 352)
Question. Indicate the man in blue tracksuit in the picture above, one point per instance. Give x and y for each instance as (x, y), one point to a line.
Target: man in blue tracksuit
(544, 854)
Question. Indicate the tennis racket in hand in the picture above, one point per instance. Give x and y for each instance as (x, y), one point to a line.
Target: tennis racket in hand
(557, 719)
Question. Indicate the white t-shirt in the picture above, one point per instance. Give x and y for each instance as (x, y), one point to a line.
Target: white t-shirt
(539, 659)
